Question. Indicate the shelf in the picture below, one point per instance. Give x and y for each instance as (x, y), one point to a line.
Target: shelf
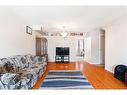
(62, 58)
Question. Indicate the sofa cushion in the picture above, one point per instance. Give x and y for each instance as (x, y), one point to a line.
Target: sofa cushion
(23, 61)
(10, 78)
(2, 69)
(7, 65)
(28, 78)
(44, 59)
(30, 58)
(39, 59)
(25, 83)
(1, 85)
(31, 72)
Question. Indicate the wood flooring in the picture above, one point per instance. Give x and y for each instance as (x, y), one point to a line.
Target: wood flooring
(96, 75)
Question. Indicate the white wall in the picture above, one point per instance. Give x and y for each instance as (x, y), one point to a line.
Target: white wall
(13, 37)
(95, 46)
(93, 57)
(58, 41)
(116, 43)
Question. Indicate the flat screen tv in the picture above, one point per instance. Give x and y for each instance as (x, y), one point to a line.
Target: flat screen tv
(62, 50)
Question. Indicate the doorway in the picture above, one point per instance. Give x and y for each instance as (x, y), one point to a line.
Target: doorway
(102, 47)
(80, 50)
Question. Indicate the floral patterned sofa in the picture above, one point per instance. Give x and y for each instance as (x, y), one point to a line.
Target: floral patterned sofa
(21, 71)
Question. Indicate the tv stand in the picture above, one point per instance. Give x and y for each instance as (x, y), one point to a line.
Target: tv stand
(62, 58)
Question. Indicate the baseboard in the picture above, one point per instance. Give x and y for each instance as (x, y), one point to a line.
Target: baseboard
(54, 61)
(51, 61)
(91, 62)
(109, 70)
(65, 62)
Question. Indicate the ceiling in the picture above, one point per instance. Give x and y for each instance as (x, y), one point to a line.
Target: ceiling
(74, 18)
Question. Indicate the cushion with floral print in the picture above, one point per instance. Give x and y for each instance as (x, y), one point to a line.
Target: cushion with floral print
(23, 61)
(10, 78)
(2, 69)
(30, 58)
(1, 85)
(38, 59)
(7, 65)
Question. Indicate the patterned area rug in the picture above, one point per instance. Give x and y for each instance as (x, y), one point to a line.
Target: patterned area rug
(65, 79)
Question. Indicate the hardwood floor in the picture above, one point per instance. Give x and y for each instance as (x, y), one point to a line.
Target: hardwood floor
(97, 76)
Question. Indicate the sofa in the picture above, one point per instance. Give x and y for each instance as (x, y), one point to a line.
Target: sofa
(119, 72)
(21, 71)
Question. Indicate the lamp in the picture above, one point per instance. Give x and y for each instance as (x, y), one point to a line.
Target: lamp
(64, 33)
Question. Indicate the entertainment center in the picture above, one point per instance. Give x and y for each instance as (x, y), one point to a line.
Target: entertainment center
(62, 55)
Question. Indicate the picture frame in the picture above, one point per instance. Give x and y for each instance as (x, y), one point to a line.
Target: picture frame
(28, 30)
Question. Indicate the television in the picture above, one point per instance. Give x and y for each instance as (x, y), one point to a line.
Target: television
(62, 51)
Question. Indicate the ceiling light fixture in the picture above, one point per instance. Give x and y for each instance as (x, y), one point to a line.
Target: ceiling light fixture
(64, 32)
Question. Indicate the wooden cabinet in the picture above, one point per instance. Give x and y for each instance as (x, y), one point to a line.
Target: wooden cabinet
(41, 46)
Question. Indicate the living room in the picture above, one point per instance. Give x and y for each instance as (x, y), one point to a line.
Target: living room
(74, 33)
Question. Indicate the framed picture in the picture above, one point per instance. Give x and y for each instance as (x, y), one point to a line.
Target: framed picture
(29, 30)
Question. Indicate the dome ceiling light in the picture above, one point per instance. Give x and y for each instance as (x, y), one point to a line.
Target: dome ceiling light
(64, 33)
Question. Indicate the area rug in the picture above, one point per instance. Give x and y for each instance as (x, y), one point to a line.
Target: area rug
(65, 79)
